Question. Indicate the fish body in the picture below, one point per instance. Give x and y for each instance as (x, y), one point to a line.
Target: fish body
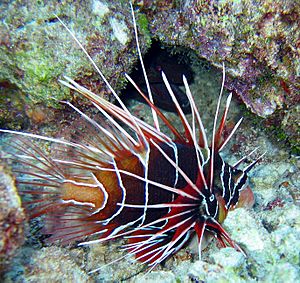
(134, 181)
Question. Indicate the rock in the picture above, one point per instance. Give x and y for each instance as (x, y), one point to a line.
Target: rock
(12, 219)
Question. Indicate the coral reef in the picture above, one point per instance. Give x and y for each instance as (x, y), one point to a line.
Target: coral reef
(259, 43)
(36, 50)
(260, 47)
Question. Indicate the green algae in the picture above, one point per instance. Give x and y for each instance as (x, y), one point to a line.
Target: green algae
(39, 50)
(38, 80)
(143, 25)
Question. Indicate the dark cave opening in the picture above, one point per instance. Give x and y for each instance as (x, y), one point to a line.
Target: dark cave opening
(175, 63)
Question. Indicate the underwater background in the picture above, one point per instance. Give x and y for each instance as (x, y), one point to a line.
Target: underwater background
(259, 43)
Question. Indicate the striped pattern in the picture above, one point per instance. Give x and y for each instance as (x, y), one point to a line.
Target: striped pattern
(155, 190)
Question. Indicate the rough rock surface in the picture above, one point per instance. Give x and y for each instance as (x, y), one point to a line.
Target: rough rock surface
(12, 219)
(257, 40)
(37, 50)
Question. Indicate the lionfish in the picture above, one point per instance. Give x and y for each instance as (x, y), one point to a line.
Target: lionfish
(128, 179)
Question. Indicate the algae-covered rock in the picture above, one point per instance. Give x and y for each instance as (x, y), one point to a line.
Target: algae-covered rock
(36, 50)
(257, 40)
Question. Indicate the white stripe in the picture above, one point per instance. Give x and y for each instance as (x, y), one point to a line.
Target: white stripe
(154, 114)
(229, 186)
(155, 251)
(194, 107)
(80, 184)
(175, 150)
(243, 158)
(77, 202)
(231, 134)
(102, 188)
(214, 132)
(146, 193)
(246, 169)
(200, 239)
(221, 177)
(121, 186)
(160, 205)
(217, 209)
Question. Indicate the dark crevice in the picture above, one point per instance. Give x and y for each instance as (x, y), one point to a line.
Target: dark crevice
(174, 63)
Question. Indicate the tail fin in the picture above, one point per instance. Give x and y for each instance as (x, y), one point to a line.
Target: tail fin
(49, 188)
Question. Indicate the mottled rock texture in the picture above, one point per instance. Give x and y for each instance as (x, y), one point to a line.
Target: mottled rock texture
(37, 50)
(12, 219)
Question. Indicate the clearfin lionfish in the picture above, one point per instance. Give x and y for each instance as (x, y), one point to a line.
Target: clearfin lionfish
(127, 178)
